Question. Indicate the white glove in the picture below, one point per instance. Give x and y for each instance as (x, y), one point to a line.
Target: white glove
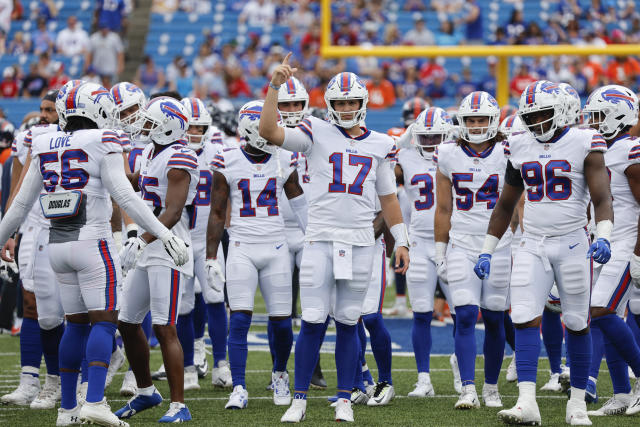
(8, 270)
(176, 248)
(441, 261)
(130, 252)
(635, 270)
(215, 275)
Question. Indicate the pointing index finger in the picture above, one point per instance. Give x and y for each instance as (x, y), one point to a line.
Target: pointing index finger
(286, 58)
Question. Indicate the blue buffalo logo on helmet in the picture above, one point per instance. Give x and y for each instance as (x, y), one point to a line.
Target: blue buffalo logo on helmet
(170, 111)
(252, 113)
(615, 97)
(98, 94)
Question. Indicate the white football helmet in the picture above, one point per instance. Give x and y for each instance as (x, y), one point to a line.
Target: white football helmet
(511, 124)
(291, 91)
(346, 86)
(572, 104)
(92, 101)
(612, 108)
(164, 120)
(542, 95)
(432, 127)
(61, 100)
(248, 122)
(479, 104)
(126, 95)
(198, 116)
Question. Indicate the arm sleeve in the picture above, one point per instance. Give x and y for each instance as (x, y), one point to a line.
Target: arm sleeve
(300, 208)
(404, 141)
(513, 177)
(116, 182)
(29, 190)
(298, 139)
(385, 178)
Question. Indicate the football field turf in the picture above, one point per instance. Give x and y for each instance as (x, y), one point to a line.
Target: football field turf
(207, 404)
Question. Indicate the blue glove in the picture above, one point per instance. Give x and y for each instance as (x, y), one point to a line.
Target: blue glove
(483, 266)
(600, 251)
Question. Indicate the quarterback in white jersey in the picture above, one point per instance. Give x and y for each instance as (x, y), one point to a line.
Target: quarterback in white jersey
(418, 168)
(612, 111)
(253, 177)
(167, 182)
(349, 167)
(558, 167)
(469, 181)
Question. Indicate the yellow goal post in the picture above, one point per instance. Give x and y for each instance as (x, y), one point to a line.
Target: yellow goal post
(503, 53)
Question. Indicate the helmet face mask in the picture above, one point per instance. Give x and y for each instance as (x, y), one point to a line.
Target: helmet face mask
(571, 105)
(248, 122)
(199, 118)
(129, 100)
(164, 121)
(293, 97)
(432, 127)
(539, 122)
(610, 109)
(478, 117)
(346, 87)
(544, 98)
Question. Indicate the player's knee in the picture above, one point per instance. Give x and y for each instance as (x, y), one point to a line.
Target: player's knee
(347, 315)
(314, 315)
(461, 296)
(372, 320)
(186, 307)
(522, 314)
(496, 302)
(634, 306)
(422, 305)
(50, 322)
(574, 322)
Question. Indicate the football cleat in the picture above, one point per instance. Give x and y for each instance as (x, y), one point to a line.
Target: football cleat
(317, 379)
(221, 375)
(424, 388)
(634, 402)
(177, 413)
(358, 397)
(553, 384)
(565, 379)
(344, 412)
(49, 394)
(100, 413)
(577, 413)
(524, 413)
(617, 405)
(68, 417)
(139, 403)
(200, 358)
(382, 394)
(468, 398)
(491, 396)
(160, 374)
(512, 374)
(81, 393)
(281, 393)
(238, 399)
(591, 394)
(129, 387)
(117, 360)
(296, 412)
(27, 391)
(457, 382)
(191, 378)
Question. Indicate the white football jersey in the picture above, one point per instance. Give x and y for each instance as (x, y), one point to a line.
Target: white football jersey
(477, 180)
(420, 187)
(70, 165)
(622, 153)
(153, 183)
(133, 156)
(255, 190)
(347, 176)
(125, 141)
(199, 215)
(290, 220)
(553, 174)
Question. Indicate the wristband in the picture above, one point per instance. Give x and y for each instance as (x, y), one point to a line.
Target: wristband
(490, 243)
(400, 234)
(117, 238)
(441, 250)
(132, 230)
(603, 229)
(274, 87)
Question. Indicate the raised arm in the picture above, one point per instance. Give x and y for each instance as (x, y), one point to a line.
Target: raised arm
(269, 128)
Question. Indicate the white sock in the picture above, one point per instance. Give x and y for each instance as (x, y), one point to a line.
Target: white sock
(179, 404)
(595, 380)
(424, 377)
(469, 388)
(490, 387)
(577, 394)
(527, 390)
(147, 391)
(401, 300)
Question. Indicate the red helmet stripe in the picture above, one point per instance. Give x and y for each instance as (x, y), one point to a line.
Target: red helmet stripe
(291, 87)
(195, 108)
(71, 98)
(428, 122)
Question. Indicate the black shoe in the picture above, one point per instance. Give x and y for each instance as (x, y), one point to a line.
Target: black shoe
(317, 380)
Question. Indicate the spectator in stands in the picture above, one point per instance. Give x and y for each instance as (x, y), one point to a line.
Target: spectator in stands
(9, 85)
(472, 19)
(560, 72)
(369, 33)
(18, 11)
(211, 81)
(346, 35)
(59, 78)
(301, 18)
(602, 11)
(34, 85)
(46, 67)
(148, 77)
(3, 43)
(520, 81)
(258, 13)
(414, 5)
(106, 55)
(516, 25)
(500, 37)
(391, 35)
(381, 91)
(19, 45)
(466, 84)
(411, 86)
(488, 82)
(420, 34)
(237, 84)
(447, 36)
(173, 69)
(533, 35)
(312, 38)
(91, 75)
(42, 39)
(46, 9)
(436, 89)
(229, 58)
(316, 94)
(623, 70)
(183, 82)
(111, 14)
(73, 40)
(432, 69)
(450, 7)
(6, 8)
(253, 61)
(634, 33)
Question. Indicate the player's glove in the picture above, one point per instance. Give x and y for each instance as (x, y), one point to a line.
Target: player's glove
(8, 271)
(483, 266)
(215, 276)
(130, 252)
(600, 251)
(635, 270)
(176, 248)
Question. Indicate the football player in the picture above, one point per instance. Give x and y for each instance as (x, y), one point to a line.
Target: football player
(253, 178)
(167, 181)
(468, 183)
(612, 111)
(349, 166)
(556, 165)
